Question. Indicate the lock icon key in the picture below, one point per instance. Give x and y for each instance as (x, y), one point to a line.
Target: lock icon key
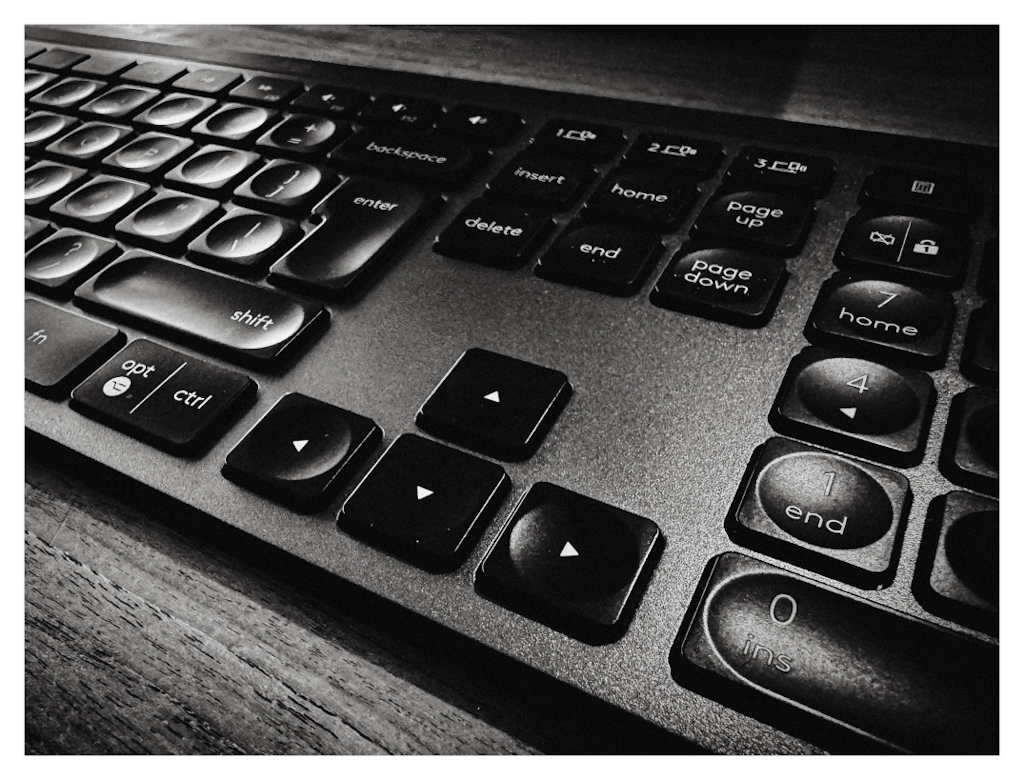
(926, 247)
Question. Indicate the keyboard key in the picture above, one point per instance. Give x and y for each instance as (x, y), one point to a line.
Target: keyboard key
(583, 140)
(571, 562)
(402, 112)
(496, 405)
(329, 100)
(121, 101)
(483, 126)
(770, 222)
(89, 141)
(856, 406)
(970, 449)
(980, 359)
(108, 65)
(652, 199)
(43, 127)
(174, 401)
(605, 258)
(148, 155)
(362, 222)
(267, 90)
(827, 513)
(659, 150)
(249, 325)
(153, 73)
(235, 123)
(923, 192)
(775, 169)
(392, 153)
(61, 347)
(67, 94)
(760, 635)
(303, 135)
(208, 81)
(168, 221)
(285, 187)
(37, 79)
(425, 502)
(301, 452)
(46, 181)
(729, 285)
(243, 242)
(99, 203)
(62, 262)
(883, 319)
(988, 273)
(957, 574)
(56, 59)
(174, 112)
(549, 181)
(213, 170)
(36, 230)
(493, 233)
(908, 249)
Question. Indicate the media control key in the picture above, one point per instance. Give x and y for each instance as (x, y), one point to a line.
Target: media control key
(301, 452)
(61, 347)
(828, 664)
(571, 562)
(174, 401)
(250, 325)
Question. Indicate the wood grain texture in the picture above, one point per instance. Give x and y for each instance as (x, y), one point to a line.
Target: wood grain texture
(147, 631)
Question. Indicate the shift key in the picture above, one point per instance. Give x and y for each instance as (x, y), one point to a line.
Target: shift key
(757, 630)
(249, 325)
(174, 401)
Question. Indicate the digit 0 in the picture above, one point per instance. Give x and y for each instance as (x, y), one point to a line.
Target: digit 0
(780, 605)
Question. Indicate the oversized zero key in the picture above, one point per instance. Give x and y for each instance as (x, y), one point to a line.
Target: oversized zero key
(172, 400)
(756, 632)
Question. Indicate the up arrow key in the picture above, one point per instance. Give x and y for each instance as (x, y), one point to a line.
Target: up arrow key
(568, 551)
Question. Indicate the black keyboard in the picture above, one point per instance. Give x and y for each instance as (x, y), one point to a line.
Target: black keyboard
(697, 413)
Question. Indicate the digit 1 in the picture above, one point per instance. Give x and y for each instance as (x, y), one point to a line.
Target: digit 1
(830, 478)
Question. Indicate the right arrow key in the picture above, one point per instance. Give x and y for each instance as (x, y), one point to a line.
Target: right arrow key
(571, 562)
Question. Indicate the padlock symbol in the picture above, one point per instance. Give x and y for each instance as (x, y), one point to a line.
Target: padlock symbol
(926, 247)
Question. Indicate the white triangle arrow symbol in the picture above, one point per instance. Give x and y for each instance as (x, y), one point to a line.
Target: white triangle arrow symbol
(568, 551)
(849, 411)
(493, 397)
(422, 492)
(298, 445)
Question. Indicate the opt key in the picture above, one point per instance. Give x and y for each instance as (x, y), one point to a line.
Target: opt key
(164, 397)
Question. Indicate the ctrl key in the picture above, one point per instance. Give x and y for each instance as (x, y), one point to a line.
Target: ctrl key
(164, 397)
(838, 671)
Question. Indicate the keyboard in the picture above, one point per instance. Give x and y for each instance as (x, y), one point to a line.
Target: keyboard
(696, 413)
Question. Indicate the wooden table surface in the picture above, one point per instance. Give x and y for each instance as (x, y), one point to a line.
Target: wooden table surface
(153, 632)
